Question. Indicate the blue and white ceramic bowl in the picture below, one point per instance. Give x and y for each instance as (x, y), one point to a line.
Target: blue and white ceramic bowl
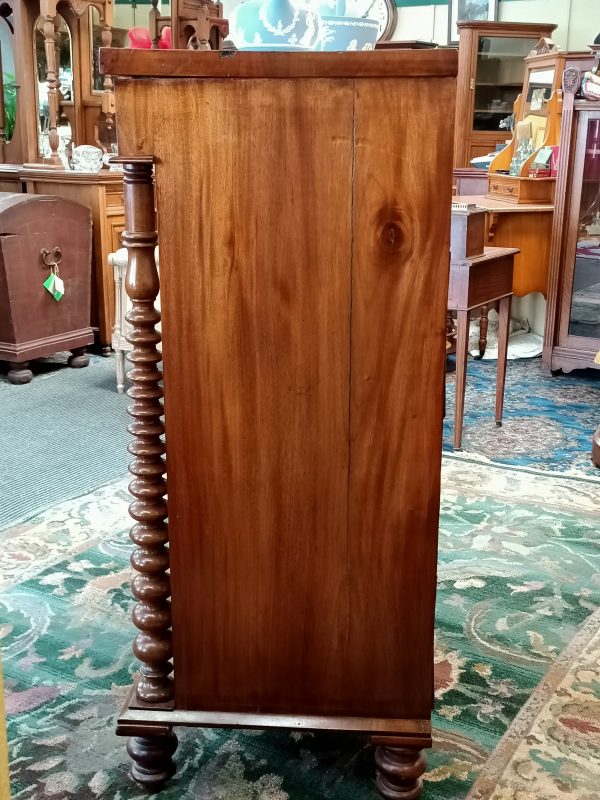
(348, 33)
(274, 25)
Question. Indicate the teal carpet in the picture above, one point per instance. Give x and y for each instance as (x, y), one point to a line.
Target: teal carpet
(63, 435)
(518, 575)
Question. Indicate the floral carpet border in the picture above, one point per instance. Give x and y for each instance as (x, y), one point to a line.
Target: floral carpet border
(497, 780)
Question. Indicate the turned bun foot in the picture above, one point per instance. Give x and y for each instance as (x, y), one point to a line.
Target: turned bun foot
(399, 773)
(18, 373)
(152, 757)
(78, 358)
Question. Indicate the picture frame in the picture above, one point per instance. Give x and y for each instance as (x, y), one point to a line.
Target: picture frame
(471, 11)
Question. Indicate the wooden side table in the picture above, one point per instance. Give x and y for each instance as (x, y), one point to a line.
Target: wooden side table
(475, 282)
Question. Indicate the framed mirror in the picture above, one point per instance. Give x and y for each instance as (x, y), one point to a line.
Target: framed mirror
(64, 60)
(96, 79)
(9, 84)
(539, 89)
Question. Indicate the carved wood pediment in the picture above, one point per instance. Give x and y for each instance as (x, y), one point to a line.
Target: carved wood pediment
(545, 47)
(79, 7)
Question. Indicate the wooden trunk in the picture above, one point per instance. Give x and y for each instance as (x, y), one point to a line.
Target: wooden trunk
(33, 324)
(303, 228)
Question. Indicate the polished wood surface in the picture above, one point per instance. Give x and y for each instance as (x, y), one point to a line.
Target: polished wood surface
(526, 227)
(469, 143)
(302, 538)
(513, 189)
(293, 66)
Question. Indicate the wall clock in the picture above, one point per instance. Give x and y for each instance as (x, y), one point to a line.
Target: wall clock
(386, 14)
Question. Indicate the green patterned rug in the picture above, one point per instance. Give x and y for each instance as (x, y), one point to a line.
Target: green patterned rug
(519, 580)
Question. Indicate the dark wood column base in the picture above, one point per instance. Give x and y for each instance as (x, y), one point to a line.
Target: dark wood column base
(19, 373)
(399, 771)
(596, 449)
(78, 358)
(152, 757)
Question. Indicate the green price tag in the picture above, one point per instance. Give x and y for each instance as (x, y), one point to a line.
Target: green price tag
(55, 286)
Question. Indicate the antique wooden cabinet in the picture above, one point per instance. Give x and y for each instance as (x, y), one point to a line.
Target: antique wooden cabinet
(303, 227)
(490, 76)
(50, 53)
(572, 331)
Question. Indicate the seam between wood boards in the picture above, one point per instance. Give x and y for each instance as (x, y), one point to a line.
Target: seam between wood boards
(351, 288)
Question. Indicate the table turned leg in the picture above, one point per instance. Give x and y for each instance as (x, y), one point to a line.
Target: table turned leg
(462, 353)
(19, 372)
(152, 758)
(120, 365)
(399, 771)
(503, 330)
(483, 330)
(78, 358)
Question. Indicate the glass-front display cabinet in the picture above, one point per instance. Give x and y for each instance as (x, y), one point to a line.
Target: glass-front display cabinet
(581, 324)
(491, 67)
(572, 336)
(498, 79)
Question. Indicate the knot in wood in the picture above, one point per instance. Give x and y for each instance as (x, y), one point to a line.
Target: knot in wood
(392, 229)
(391, 236)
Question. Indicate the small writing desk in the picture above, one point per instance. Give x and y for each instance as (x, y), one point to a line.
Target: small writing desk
(527, 227)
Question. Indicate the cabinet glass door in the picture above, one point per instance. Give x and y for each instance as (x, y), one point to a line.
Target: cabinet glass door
(498, 78)
(584, 319)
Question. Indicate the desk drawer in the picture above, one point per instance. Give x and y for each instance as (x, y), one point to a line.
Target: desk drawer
(490, 280)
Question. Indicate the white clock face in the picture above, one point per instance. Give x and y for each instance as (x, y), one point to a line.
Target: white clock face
(381, 11)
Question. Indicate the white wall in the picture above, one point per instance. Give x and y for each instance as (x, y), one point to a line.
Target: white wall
(578, 21)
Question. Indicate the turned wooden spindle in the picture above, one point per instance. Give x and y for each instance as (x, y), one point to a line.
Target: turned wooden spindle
(483, 330)
(108, 96)
(53, 85)
(151, 586)
(399, 771)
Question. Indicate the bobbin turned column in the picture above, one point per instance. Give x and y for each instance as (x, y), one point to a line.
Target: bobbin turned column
(399, 768)
(152, 753)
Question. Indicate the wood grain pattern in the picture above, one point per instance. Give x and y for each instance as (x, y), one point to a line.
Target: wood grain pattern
(259, 556)
(300, 239)
(400, 267)
(293, 66)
